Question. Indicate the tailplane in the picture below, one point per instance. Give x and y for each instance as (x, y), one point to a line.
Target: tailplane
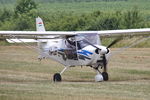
(39, 27)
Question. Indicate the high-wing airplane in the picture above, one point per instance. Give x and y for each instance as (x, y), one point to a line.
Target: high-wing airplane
(73, 48)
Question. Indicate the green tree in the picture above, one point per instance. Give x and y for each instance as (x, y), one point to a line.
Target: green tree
(133, 19)
(25, 13)
(25, 6)
(5, 15)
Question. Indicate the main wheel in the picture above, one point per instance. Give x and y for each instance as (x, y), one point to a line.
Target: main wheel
(105, 76)
(57, 77)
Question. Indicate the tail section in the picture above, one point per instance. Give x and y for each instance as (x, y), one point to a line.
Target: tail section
(39, 24)
(39, 27)
(42, 43)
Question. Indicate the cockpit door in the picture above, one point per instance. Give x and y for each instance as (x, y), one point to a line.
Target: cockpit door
(71, 48)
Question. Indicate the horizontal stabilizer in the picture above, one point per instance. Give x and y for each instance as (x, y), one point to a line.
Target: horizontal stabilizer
(20, 40)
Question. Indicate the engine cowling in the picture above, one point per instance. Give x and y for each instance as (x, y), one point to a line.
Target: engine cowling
(102, 50)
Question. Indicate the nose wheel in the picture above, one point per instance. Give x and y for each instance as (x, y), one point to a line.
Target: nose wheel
(105, 76)
(101, 76)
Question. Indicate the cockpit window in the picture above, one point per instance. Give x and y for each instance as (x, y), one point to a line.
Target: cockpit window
(84, 40)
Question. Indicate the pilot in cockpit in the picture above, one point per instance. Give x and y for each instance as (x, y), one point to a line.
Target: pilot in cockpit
(72, 42)
(71, 47)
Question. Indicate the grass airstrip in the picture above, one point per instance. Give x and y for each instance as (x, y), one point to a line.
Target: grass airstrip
(23, 77)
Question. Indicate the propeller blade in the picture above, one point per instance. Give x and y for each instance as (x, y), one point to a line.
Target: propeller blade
(105, 63)
(114, 42)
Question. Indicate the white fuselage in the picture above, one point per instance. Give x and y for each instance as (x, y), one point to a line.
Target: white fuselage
(58, 50)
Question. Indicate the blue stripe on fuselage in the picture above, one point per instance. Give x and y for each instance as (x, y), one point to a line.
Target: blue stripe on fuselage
(85, 52)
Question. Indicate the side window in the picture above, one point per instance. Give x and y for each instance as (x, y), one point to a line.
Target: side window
(71, 42)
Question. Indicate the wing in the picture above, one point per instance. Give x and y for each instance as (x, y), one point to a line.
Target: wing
(125, 32)
(34, 34)
(57, 34)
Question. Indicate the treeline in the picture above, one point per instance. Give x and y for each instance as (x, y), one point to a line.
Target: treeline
(96, 21)
(24, 14)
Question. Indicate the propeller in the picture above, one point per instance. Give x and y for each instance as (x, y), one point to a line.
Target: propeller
(104, 59)
(104, 55)
(114, 42)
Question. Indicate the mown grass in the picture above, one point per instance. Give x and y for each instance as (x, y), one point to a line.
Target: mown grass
(22, 77)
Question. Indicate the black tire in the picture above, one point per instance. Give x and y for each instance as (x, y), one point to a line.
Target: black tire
(57, 77)
(105, 76)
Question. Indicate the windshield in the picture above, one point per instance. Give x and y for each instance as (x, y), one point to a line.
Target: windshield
(84, 40)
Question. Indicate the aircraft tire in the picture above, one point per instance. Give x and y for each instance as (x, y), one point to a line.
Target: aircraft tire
(105, 76)
(57, 77)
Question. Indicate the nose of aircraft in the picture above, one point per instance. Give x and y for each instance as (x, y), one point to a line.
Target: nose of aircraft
(101, 50)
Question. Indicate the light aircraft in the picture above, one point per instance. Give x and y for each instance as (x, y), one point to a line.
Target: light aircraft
(72, 48)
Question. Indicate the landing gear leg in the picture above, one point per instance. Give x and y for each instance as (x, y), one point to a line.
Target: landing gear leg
(57, 76)
(104, 73)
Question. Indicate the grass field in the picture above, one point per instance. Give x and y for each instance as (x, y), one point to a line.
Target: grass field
(22, 77)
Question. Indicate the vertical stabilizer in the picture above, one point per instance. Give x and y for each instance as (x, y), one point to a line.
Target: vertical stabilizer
(42, 43)
(39, 24)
